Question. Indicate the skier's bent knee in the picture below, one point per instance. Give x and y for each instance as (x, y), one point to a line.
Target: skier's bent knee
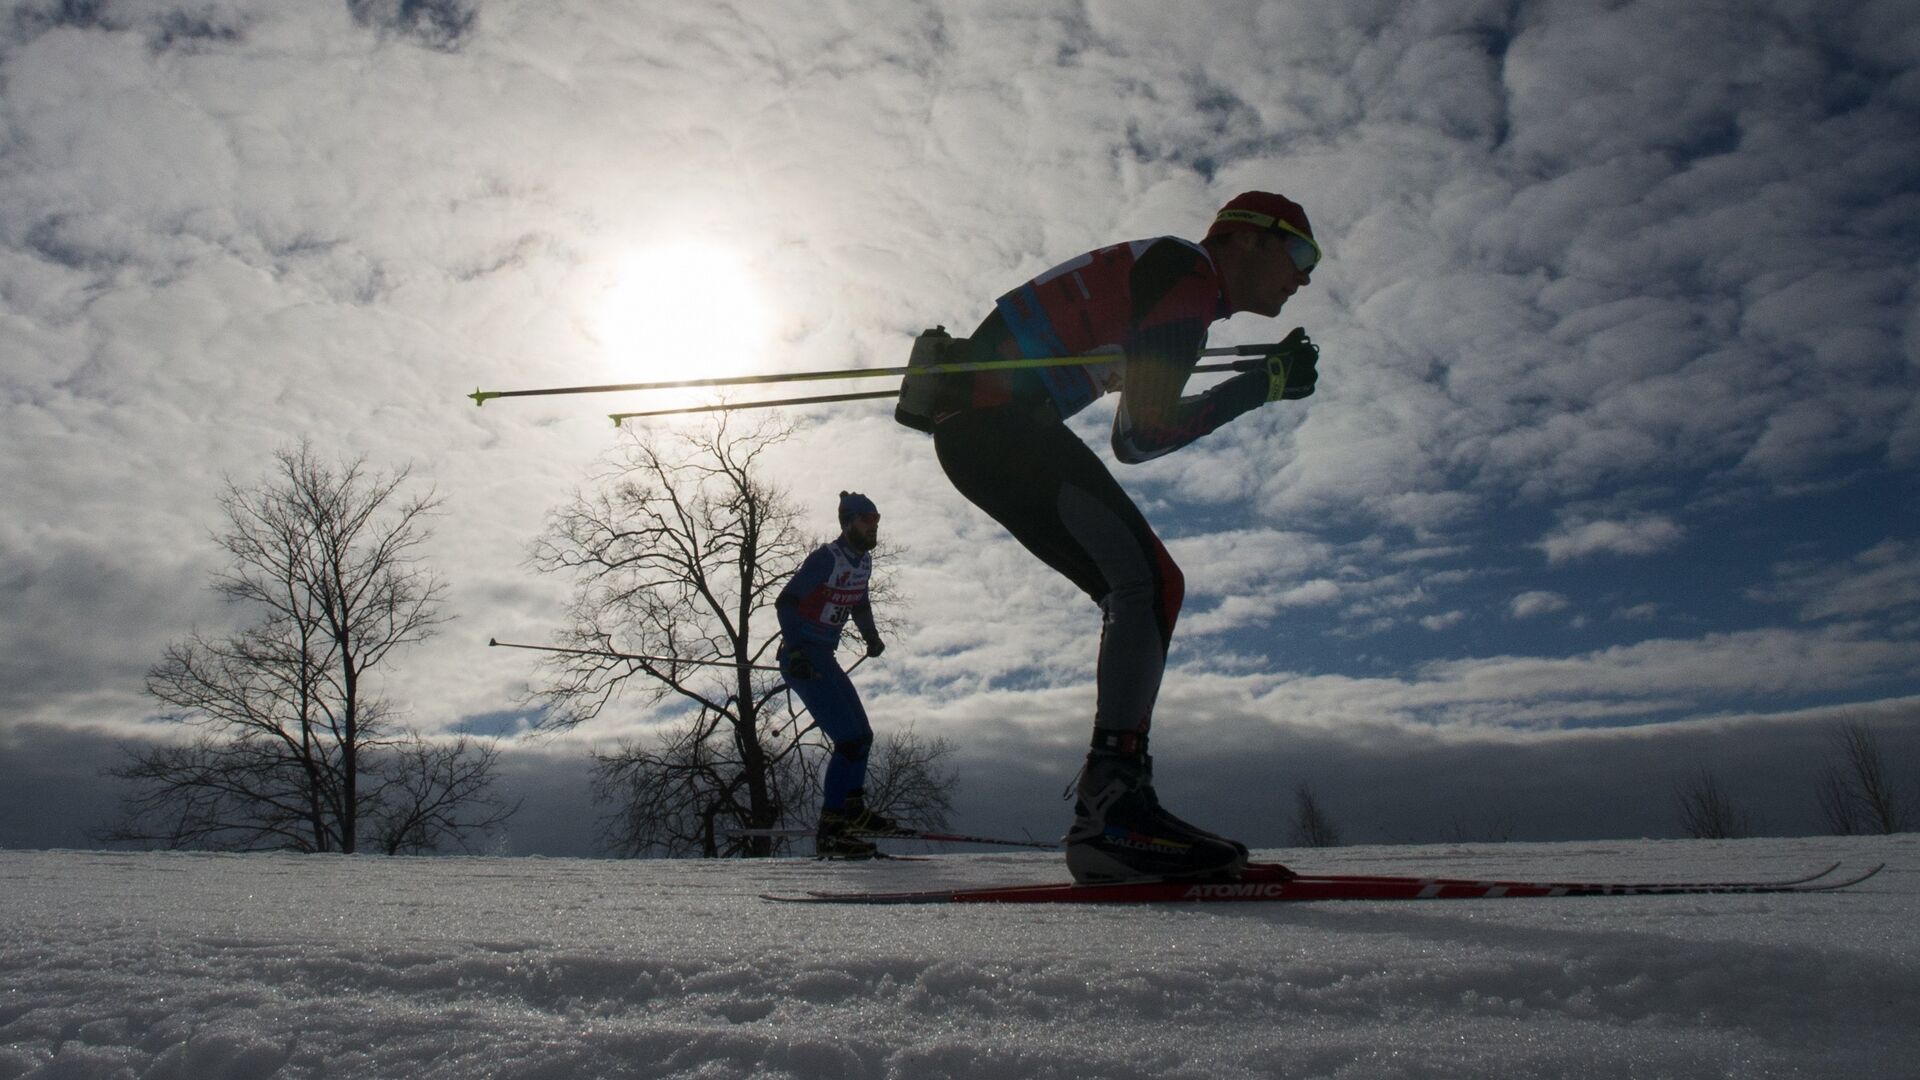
(854, 750)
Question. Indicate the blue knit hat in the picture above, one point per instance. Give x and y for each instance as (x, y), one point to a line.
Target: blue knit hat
(853, 504)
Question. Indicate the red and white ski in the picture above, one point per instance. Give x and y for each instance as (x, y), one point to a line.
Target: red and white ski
(1272, 881)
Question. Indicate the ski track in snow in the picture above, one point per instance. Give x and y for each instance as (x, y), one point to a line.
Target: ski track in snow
(223, 967)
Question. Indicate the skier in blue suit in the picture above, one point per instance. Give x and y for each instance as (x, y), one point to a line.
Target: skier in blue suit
(829, 588)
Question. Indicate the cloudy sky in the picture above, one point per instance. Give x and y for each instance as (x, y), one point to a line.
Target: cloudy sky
(1611, 473)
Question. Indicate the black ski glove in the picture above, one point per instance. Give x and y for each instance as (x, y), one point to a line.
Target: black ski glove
(799, 666)
(875, 646)
(1290, 368)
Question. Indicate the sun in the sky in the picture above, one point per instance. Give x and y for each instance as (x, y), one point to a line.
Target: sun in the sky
(683, 311)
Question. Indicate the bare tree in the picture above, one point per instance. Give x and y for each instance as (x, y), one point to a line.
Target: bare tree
(907, 777)
(1837, 805)
(1857, 794)
(1492, 827)
(327, 556)
(681, 793)
(672, 798)
(1706, 810)
(436, 793)
(1311, 826)
(677, 552)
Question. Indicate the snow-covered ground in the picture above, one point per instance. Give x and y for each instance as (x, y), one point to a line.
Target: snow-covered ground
(204, 967)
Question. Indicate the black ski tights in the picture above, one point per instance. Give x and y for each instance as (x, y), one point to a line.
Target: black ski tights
(1055, 496)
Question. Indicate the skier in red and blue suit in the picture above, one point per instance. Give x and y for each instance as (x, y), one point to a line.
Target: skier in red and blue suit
(1002, 440)
(829, 588)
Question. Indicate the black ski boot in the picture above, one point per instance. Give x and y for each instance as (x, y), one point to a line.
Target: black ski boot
(844, 833)
(1121, 833)
(834, 840)
(868, 822)
(1184, 824)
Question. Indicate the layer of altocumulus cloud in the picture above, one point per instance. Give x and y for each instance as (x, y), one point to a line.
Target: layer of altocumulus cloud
(1597, 293)
(1224, 763)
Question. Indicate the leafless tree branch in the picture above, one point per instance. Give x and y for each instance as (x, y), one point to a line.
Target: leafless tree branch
(328, 557)
(1706, 811)
(1857, 793)
(1311, 826)
(678, 549)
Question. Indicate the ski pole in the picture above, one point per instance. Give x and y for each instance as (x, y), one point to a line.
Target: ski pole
(730, 406)
(492, 642)
(627, 656)
(481, 397)
(1242, 365)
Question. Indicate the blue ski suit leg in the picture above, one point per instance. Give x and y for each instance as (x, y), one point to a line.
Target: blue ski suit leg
(835, 707)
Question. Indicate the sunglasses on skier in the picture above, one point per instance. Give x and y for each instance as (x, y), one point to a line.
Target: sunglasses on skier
(1304, 250)
(1299, 246)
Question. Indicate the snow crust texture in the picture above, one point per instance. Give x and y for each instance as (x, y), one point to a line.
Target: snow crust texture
(210, 967)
